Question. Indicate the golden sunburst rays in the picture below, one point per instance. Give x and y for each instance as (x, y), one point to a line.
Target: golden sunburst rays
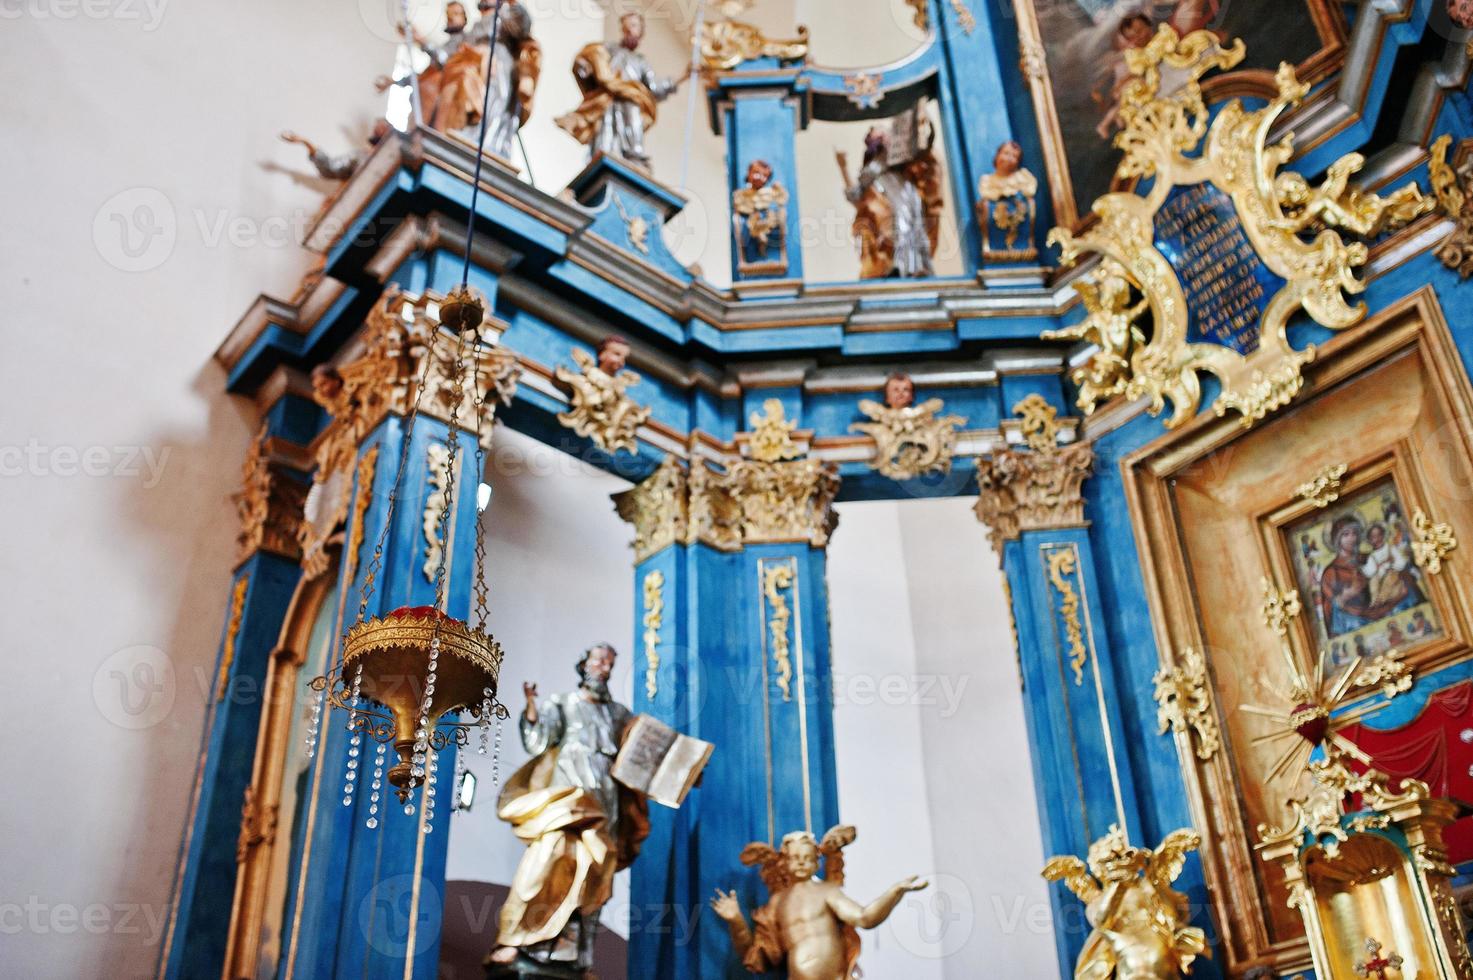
(1310, 719)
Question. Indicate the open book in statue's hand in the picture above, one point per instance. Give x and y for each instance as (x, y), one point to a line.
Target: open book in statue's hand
(659, 762)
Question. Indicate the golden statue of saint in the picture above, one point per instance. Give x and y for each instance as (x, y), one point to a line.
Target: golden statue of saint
(808, 924)
(1140, 921)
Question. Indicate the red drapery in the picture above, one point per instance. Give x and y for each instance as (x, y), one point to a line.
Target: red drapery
(1431, 748)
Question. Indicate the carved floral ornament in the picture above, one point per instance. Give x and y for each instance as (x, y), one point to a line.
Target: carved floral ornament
(1237, 236)
(748, 502)
(269, 505)
(727, 43)
(1036, 490)
(404, 348)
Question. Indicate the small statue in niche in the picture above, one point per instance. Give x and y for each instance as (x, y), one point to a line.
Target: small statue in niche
(602, 410)
(462, 84)
(808, 925)
(1006, 208)
(910, 440)
(1140, 921)
(340, 166)
(897, 202)
(759, 217)
(620, 92)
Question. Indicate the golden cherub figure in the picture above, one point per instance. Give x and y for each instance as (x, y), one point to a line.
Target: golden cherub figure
(808, 924)
(601, 408)
(1140, 921)
(1110, 324)
(1336, 204)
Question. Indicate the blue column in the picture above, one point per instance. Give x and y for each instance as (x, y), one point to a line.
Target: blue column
(743, 663)
(367, 901)
(261, 589)
(1081, 767)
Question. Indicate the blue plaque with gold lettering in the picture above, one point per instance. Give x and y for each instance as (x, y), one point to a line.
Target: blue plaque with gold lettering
(1227, 285)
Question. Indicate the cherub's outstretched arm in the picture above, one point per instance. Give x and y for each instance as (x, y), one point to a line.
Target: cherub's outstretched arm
(729, 910)
(868, 916)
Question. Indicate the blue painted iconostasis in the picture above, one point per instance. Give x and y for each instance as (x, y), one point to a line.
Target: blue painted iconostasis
(1204, 371)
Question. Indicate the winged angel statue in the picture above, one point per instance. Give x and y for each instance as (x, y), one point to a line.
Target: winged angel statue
(1140, 921)
(808, 923)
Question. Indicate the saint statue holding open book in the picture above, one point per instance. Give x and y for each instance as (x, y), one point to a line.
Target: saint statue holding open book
(580, 805)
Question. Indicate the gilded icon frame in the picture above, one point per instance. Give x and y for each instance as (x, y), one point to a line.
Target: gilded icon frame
(1209, 604)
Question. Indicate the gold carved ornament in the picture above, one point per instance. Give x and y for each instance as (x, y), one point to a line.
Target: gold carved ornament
(1432, 542)
(1450, 186)
(269, 505)
(1325, 488)
(635, 227)
(1308, 718)
(409, 365)
(1062, 563)
(964, 16)
(601, 408)
(654, 611)
(367, 466)
(1184, 702)
(777, 579)
(727, 43)
(1160, 127)
(772, 434)
(257, 825)
(232, 630)
(912, 440)
(438, 468)
(1138, 917)
(1037, 490)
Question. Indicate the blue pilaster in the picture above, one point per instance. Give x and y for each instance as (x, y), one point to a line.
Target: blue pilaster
(759, 108)
(260, 593)
(366, 902)
(744, 663)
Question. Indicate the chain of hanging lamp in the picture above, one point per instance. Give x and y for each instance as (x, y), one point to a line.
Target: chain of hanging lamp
(463, 312)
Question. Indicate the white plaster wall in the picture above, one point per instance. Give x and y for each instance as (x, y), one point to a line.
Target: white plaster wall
(932, 751)
(116, 583)
(559, 568)
(979, 779)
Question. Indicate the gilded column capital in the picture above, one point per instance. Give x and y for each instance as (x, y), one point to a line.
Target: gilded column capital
(658, 508)
(403, 347)
(1034, 490)
(269, 505)
(746, 502)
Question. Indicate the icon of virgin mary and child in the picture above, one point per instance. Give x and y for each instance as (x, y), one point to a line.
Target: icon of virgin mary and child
(1371, 577)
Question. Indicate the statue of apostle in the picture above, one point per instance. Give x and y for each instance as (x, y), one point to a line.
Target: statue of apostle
(580, 825)
(620, 91)
(460, 91)
(897, 207)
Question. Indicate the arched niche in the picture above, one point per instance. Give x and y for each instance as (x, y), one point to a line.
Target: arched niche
(280, 790)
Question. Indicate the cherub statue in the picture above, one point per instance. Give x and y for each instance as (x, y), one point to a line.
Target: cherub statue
(808, 924)
(602, 410)
(910, 440)
(1336, 204)
(1110, 324)
(340, 166)
(1140, 921)
(759, 212)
